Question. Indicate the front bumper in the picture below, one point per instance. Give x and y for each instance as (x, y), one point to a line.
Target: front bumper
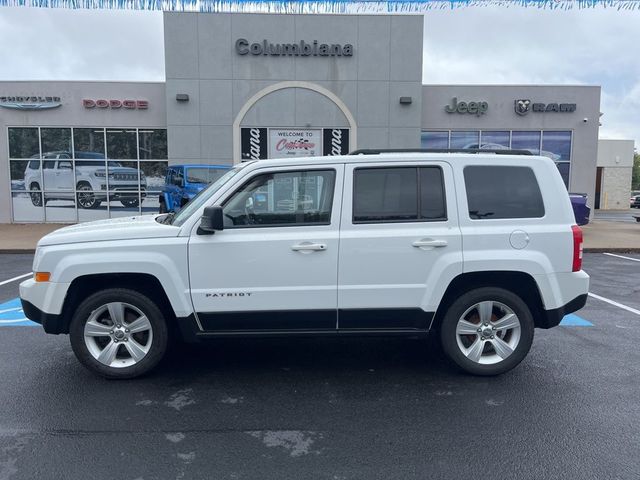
(50, 322)
(42, 303)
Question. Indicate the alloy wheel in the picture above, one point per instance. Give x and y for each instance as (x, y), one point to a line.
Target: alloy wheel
(488, 332)
(118, 335)
(86, 197)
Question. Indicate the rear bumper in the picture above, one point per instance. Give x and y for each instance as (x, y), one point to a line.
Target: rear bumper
(552, 318)
(50, 322)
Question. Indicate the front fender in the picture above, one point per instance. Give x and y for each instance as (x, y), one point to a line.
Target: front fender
(165, 259)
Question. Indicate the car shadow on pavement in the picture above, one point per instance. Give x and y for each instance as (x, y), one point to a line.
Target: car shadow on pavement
(308, 355)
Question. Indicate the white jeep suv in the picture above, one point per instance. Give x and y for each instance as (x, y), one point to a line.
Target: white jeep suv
(479, 248)
(90, 183)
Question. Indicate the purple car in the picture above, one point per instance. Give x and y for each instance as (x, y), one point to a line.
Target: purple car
(580, 208)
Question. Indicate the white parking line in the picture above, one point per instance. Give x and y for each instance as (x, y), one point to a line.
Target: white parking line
(616, 304)
(15, 278)
(622, 256)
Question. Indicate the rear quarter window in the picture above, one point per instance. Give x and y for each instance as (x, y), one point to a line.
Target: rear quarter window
(495, 192)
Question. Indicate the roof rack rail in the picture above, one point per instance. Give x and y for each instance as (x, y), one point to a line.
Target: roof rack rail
(376, 151)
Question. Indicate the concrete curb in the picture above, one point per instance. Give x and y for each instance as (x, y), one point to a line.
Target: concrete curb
(612, 250)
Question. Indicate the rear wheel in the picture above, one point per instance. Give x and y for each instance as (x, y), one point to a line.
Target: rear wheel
(487, 331)
(118, 333)
(36, 196)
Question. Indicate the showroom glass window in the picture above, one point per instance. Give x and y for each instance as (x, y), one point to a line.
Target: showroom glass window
(122, 143)
(495, 139)
(555, 144)
(526, 140)
(88, 142)
(152, 144)
(85, 173)
(56, 141)
(465, 139)
(24, 143)
(435, 139)
(25, 175)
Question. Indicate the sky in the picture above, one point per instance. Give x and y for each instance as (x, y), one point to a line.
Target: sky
(479, 45)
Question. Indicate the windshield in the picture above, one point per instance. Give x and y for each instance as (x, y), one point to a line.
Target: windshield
(204, 175)
(201, 198)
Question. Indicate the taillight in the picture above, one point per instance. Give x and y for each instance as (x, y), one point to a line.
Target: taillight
(577, 248)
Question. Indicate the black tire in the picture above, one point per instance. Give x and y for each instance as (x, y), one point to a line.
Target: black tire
(158, 341)
(163, 207)
(448, 336)
(36, 197)
(85, 197)
(130, 202)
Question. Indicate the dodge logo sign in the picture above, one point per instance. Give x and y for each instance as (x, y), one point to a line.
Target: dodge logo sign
(525, 106)
(116, 104)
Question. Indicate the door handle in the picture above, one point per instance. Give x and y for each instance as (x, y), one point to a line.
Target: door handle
(308, 247)
(429, 242)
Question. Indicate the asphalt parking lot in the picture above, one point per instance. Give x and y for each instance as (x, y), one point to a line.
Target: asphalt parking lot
(332, 408)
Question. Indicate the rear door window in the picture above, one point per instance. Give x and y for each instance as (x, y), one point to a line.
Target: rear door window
(495, 192)
(398, 194)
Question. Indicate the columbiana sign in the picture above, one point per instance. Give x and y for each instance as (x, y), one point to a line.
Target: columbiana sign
(300, 49)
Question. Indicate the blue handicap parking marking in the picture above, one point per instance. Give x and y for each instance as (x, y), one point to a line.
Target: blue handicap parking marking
(11, 315)
(572, 320)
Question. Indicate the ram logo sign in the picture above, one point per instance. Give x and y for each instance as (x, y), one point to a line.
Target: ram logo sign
(523, 107)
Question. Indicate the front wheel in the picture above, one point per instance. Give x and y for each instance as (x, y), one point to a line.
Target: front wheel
(130, 202)
(118, 333)
(487, 331)
(86, 198)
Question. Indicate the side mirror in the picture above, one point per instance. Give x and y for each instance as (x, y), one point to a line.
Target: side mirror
(178, 181)
(212, 220)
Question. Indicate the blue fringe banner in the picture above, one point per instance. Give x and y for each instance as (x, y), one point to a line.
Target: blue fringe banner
(315, 6)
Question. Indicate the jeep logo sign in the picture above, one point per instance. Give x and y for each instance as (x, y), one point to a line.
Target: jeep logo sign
(116, 104)
(473, 108)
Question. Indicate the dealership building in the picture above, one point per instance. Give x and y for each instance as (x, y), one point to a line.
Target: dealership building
(249, 86)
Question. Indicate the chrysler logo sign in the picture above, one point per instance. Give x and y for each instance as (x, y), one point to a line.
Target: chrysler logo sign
(300, 49)
(524, 106)
(30, 103)
(115, 104)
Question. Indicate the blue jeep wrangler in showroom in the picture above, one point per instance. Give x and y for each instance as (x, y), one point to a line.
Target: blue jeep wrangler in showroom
(183, 182)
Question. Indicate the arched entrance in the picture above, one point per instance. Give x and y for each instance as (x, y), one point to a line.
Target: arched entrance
(258, 126)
